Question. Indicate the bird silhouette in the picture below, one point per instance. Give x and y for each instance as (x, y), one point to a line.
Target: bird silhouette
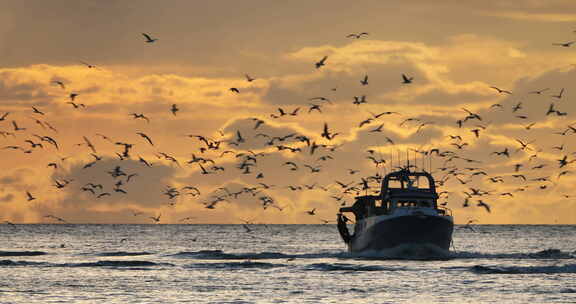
(174, 109)
(559, 96)
(145, 162)
(76, 105)
(501, 91)
(327, 134)
(564, 44)
(377, 129)
(16, 127)
(36, 111)
(248, 78)
(156, 219)
(149, 39)
(406, 79)
(523, 146)
(314, 107)
(88, 65)
(59, 83)
(146, 137)
(59, 219)
(3, 117)
(29, 196)
(357, 36)
(140, 116)
(89, 144)
(358, 100)
(321, 63)
(539, 92)
(483, 204)
(321, 98)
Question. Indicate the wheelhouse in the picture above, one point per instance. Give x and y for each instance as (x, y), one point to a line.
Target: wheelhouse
(400, 189)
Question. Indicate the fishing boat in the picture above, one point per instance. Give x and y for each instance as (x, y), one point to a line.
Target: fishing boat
(406, 213)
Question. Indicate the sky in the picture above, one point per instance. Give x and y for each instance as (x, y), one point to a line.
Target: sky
(79, 78)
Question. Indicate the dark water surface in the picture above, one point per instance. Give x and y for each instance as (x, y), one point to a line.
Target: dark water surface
(277, 264)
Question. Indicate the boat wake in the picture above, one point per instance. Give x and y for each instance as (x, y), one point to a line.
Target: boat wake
(407, 252)
(350, 267)
(221, 255)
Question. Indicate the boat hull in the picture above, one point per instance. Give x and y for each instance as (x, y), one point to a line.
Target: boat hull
(393, 232)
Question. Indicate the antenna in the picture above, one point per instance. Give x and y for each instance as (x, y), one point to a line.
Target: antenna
(391, 161)
(424, 162)
(381, 158)
(422, 159)
(430, 163)
(416, 161)
(407, 159)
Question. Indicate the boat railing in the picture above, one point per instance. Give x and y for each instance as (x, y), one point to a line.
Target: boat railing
(444, 211)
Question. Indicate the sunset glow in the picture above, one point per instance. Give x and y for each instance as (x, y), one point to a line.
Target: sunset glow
(81, 73)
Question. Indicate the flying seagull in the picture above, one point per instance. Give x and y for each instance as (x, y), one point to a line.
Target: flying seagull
(406, 79)
(35, 110)
(322, 62)
(500, 90)
(90, 66)
(174, 109)
(30, 197)
(89, 144)
(565, 44)
(357, 36)
(364, 81)
(248, 78)
(148, 38)
(60, 83)
(146, 138)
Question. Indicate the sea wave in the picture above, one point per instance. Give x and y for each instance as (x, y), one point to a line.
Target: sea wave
(115, 264)
(543, 254)
(481, 269)
(20, 263)
(349, 267)
(221, 255)
(21, 253)
(121, 253)
(235, 265)
(568, 290)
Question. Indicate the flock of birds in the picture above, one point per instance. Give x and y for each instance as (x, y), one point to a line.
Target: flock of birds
(308, 153)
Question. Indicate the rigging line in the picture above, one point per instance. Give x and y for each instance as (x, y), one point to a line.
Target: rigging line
(382, 158)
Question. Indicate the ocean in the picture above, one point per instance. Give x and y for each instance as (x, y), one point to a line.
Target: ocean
(61, 263)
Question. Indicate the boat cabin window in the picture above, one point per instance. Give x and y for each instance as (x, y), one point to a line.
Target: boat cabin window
(414, 203)
(409, 182)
